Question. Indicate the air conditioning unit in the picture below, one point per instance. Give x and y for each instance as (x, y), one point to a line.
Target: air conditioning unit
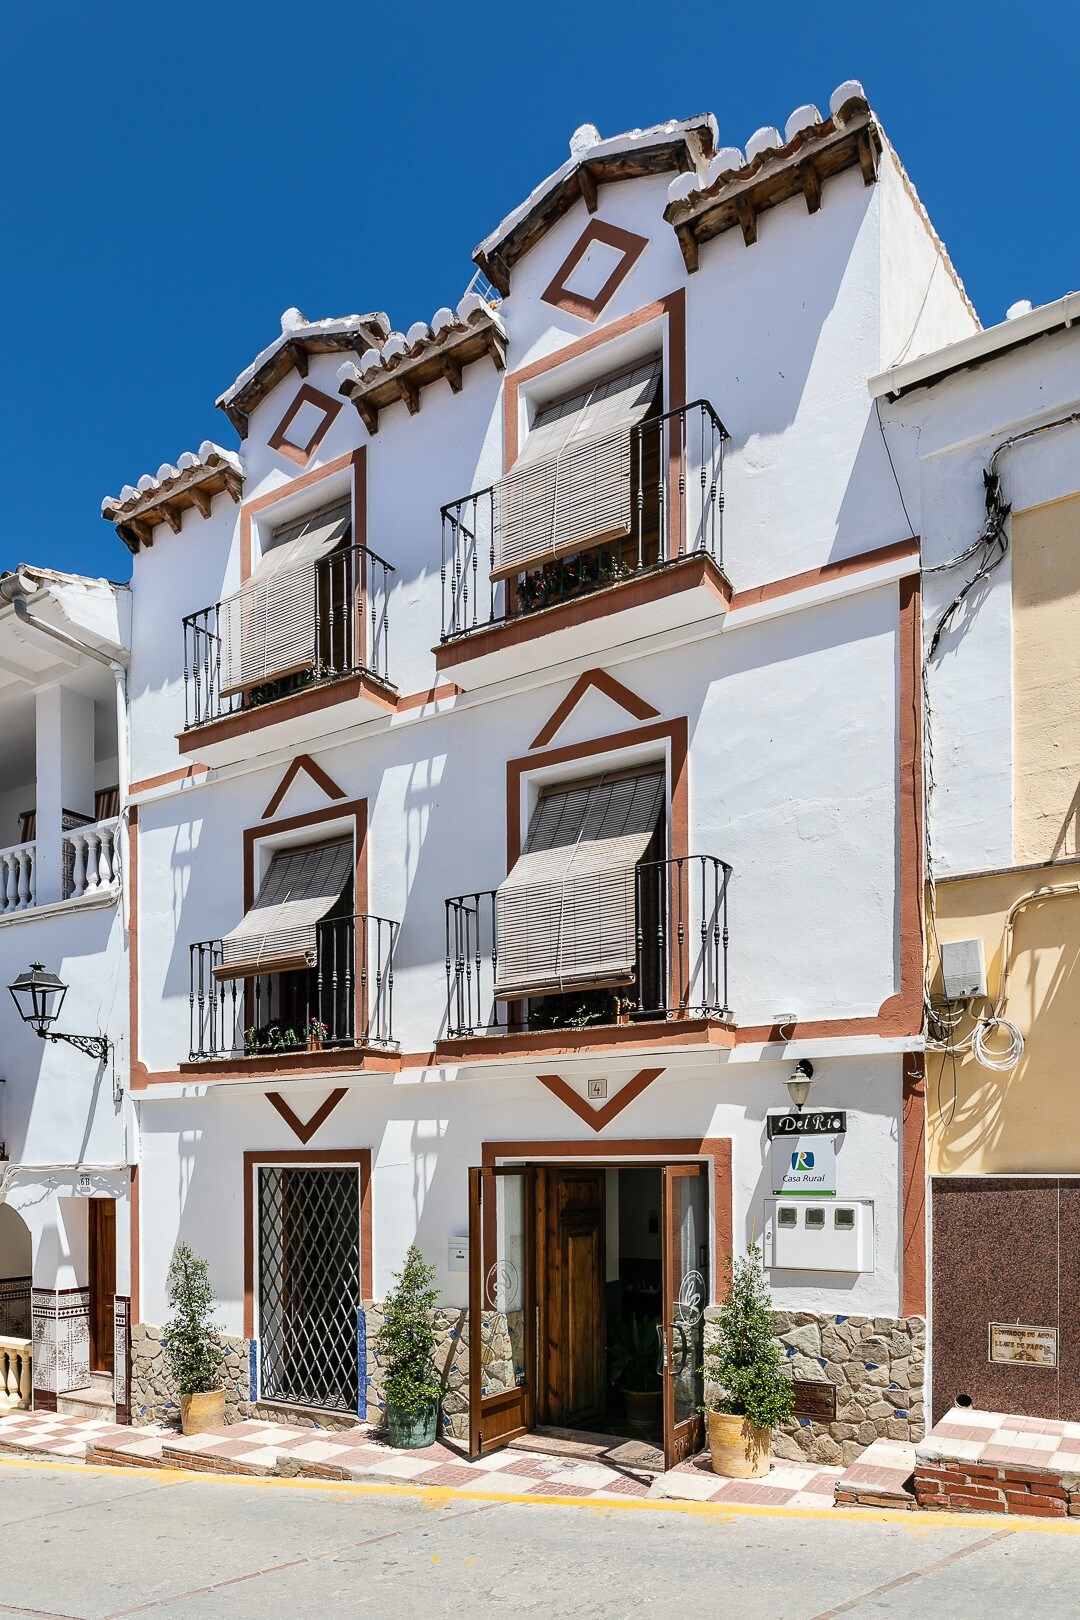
(963, 970)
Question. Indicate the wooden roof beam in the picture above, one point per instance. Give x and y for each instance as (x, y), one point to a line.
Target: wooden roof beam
(747, 216)
(367, 412)
(587, 183)
(689, 246)
(451, 370)
(810, 181)
(410, 393)
(868, 158)
(201, 498)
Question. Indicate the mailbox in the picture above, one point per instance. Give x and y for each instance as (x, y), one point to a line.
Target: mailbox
(835, 1234)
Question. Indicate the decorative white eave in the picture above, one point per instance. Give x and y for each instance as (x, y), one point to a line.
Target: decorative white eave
(196, 478)
(739, 186)
(409, 361)
(299, 339)
(680, 146)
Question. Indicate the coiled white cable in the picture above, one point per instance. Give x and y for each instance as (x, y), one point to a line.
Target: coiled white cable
(1000, 1058)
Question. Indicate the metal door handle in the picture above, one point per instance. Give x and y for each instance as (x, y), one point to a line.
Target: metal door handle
(685, 1348)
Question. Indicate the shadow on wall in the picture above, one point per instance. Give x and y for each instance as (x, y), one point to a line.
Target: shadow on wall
(1024, 1120)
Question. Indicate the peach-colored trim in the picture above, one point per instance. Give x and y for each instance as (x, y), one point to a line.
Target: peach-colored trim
(353, 1060)
(303, 762)
(138, 1073)
(716, 1148)
(597, 1118)
(842, 568)
(686, 574)
(597, 230)
(325, 1158)
(673, 307)
(134, 1243)
(311, 701)
(304, 1131)
(665, 1034)
(306, 395)
(186, 773)
(615, 690)
(419, 700)
(914, 1167)
(356, 459)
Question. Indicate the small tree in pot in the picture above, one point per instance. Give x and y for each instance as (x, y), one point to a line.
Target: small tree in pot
(750, 1393)
(406, 1340)
(191, 1345)
(634, 1350)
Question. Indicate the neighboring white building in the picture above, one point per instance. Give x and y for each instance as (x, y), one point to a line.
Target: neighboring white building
(66, 1166)
(591, 610)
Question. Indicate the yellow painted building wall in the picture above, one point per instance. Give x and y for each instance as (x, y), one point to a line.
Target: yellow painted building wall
(1046, 680)
(981, 1121)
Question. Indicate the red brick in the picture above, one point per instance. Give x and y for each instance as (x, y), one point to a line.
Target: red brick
(1040, 1476)
(977, 1504)
(1040, 1507)
(986, 1493)
(981, 1471)
(1074, 1509)
(1049, 1490)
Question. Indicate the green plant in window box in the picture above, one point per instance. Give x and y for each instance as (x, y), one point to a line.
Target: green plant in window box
(406, 1343)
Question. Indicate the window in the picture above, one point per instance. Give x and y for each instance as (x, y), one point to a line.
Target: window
(567, 915)
(294, 615)
(574, 485)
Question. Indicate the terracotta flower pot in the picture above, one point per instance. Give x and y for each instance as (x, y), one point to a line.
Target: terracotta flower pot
(644, 1406)
(201, 1412)
(738, 1449)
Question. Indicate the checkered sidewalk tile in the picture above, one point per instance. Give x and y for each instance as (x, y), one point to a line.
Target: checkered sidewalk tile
(787, 1484)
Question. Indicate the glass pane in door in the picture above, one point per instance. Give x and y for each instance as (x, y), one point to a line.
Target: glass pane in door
(503, 1325)
(689, 1292)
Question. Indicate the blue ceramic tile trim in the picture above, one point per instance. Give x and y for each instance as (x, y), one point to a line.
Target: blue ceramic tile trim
(361, 1364)
(253, 1370)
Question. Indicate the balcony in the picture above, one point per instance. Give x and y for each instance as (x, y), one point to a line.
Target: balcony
(316, 1018)
(660, 566)
(679, 986)
(90, 856)
(295, 658)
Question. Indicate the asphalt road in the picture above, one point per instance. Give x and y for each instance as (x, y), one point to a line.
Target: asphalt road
(110, 1543)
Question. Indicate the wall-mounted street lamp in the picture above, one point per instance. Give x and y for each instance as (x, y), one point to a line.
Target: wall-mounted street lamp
(39, 995)
(799, 1083)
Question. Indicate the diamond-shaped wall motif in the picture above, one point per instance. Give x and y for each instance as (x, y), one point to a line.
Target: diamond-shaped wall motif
(596, 266)
(305, 424)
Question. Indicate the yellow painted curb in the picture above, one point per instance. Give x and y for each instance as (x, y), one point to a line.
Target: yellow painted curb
(441, 1496)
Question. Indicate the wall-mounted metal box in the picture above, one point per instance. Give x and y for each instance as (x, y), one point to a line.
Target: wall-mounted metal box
(835, 1234)
(963, 969)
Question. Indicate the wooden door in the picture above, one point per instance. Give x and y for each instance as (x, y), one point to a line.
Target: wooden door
(686, 1269)
(102, 1256)
(574, 1316)
(502, 1307)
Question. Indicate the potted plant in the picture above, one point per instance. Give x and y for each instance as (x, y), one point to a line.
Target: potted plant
(633, 1350)
(623, 1008)
(191, 1345)
(406, 1341)
(316, 1034)
(750, 1391)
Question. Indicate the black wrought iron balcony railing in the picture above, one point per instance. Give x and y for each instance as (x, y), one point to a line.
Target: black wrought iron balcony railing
(335, 625)
(347, 999)
(676, 509)
(681, 966)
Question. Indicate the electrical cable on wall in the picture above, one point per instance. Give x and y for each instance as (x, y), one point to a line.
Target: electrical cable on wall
(991, 547)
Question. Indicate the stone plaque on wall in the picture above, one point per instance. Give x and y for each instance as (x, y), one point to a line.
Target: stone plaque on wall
(1028, 1346)
(814, 1400)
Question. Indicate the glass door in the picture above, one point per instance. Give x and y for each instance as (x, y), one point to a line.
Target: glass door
(686, 1293)
(502, 1307)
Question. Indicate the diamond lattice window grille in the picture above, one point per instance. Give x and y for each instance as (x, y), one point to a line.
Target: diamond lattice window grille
(309, 1286)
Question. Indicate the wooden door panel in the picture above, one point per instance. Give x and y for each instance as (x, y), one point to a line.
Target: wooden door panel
(101, 1218)
(573, 1313)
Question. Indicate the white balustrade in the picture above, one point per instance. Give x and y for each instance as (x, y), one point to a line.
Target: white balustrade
(16, 1374)
(17, 876)
(91, 859)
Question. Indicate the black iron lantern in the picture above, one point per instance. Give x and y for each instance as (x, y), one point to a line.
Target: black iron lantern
(39, 995)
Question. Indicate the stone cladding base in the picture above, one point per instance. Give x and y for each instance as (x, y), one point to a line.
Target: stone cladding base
(877, 1366)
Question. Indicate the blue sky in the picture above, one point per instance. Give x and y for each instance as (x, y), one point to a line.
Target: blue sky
(177, 175)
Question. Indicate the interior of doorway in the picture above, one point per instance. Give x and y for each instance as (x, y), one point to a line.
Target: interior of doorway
(599, 1275)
